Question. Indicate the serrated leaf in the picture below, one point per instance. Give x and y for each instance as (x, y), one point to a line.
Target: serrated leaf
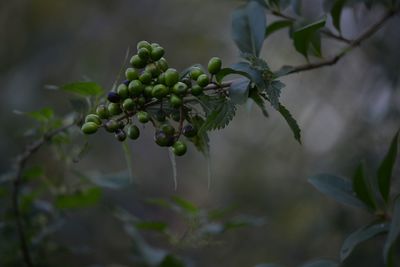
(306, 37)
(239, 91)
(42, 115)
(260, 102)
(201, 140)
(185, 205)
(83, 88)
(291, 122)
(320, 263)
(337, 188)
(248, 28)
(253, 74)
(394, 230)
(362, 188)
(80, 199)
(276, 26)
(273, 91)
(386, 168)
(336, 13)
(219, 116)
(359, 236)
(228, 71)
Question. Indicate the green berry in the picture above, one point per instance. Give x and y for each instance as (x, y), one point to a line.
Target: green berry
(141, 100)
(161, 78)
(175, 101)
(112, 126)
(133, 132)
(203, 80)
(93, 118)
(143, 44)
(171, 77)
(179, 148)
(196, 90)
(153, 70)
(143, 116)
(162, 139)
(189, 130)
(137, 62)
(102, 112)
(168, 129)
(114, 109)
(145, 77)
(214, 65)
(144, 54)
(162, 64)
(122, 91)
(195, 72)
(131, 74)
(148, 91)
(135, 87)
(157, 53)
(89, 127)
(159, 91)
(120, 135)
(179, 88)
(128, 104)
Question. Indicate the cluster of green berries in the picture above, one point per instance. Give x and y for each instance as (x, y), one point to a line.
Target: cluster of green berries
(150, 83)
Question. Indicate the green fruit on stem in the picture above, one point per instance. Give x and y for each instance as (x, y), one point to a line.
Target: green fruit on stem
(160, 91)
(128, 104)
(145, 77)
(162, 64)
(171, 77)
(161, 78)
(123, 91)
(102, 112)
(141, 100)
(144, 54)
(162, 139)
(195, 72)
(89, 127)
(143, 116)
(196, 90)
(157, 53)
(148, 91)
(179, 148)
(111, 126)
(153, 70)
(203, 80)
(179, 88)
(135, 87)
(131, 74)
(214, 65)
(189, 130)
(137, 62)
(120, 135)
(133, 132)
(175, 101)
(114, 109)
(168, 129)
(143, 44)
(93, 118)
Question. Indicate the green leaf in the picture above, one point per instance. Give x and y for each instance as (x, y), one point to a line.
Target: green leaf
(291, 122)
(307, 37)
(80, 199)
(276, 26)
(386, 168)
(171, 261)
(185, 205)
(186, 71)
(274, 91)
(201, 140)
(394, 230)
(151, 225)
(336, 13)
(219, 110)
(83, 88)
(337, 188)
(362, 188)
(255, 96)
(33, 173)
(239, 91)
(228, 71)
(253, 74)
(359, 236)
(248, 28)
(321, 263)
(285, 70)
(42, 115)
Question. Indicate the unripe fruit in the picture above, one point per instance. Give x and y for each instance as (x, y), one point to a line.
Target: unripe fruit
(128, 104)
(214, 65)
(189, 130)
(113, 97)
(196, 90)
(162, 64)
(141, 100)
(120, 135)
(154, 45)
(112, 126)
(102, 112)
(162, 139)
(137, 62)
(168, 129)
(159, 91)
(143, 116)
(195, 73)
(122, 91)
(133, 132)
(148, 91)
(179, 88)
(144, 54)
(203, 80)
(89, 128)
(93, 118)
(157, 53)
(175, 101)
(160, 115)
(161, 78)
(179, 148)
(187, 81)
(114, 109)
(143, 44)
(135, 87)
(153, 70)
(131, 74)
(145, 77)
(171, 77)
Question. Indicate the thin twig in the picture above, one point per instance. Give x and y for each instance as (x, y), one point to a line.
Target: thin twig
(332, 35)
(19, 166)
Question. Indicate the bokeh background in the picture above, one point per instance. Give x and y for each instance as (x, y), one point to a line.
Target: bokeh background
(348, 113)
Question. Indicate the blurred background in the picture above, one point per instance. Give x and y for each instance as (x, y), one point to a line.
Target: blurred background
(348, 113)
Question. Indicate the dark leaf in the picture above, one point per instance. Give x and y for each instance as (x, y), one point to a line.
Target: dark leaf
(336, 13)
(362, 188)
(248, 28)
(273, 91)
(185, 205)
(306, 37)
(394, 230)
(151, 225)
(171, 261)
(201, 140)
(228, 71)
(276, 26)
(83, 88)
(80, 199)
(219, 110)
(337, 188)
(386, 168)
(291, 122)
(360, 236)
(255, 96)
(239, 91)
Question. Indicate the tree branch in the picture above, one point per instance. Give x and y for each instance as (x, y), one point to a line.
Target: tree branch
(19, 166)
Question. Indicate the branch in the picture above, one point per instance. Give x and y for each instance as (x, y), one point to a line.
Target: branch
(367, 34)
(19, 166)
